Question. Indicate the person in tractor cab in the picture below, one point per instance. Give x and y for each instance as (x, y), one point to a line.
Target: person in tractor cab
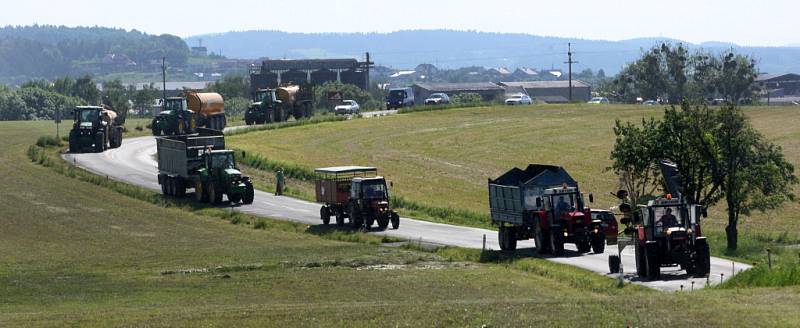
(562, 207)
(668, 220)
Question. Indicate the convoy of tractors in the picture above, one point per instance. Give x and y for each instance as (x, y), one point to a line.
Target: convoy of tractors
(540, 202)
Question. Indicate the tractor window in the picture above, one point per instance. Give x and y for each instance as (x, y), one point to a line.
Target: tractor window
(374, 190)
(668, 216)
(174, 105)
(261, 96)
(222, 161)
(89, 115)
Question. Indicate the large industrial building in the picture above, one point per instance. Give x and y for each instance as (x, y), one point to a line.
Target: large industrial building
(274, 72)
(554, 91)
(488, 90)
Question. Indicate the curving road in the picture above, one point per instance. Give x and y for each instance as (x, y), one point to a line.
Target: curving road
(133, 163)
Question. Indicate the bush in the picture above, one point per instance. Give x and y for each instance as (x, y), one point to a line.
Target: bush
(48, 141)
(467, 99)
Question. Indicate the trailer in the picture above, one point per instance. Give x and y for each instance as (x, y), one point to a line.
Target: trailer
(183, 115)
(544, 203)
(355, 193)
(200, 161)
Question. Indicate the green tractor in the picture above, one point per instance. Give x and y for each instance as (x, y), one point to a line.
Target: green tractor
(95, 129)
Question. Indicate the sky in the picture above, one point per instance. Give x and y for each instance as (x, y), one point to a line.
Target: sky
(744, 22)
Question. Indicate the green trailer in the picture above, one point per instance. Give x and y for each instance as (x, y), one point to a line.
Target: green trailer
(200, 161)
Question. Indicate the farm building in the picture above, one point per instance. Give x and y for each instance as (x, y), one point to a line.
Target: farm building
(554, 91)
(779, 85)
(488, 90)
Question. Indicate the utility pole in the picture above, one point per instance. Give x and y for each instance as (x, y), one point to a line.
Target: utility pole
(367, 67)
(164, 82)
(570, 62)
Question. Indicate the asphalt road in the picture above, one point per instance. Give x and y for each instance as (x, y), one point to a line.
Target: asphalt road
(133, 163)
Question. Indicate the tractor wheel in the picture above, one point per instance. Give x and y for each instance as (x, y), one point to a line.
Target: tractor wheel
(511, 239)
(119, 140)
(325, 215)
(73, 142)
(641, 270)
(268, 117)
(235, 198)
(383, 222)
(248, 121)
(180, 188)
(556, 241)
(99, 142)
(249, 193)
(702, 258)
(200, 193)
(339, 219)
(542, 239)
(355, 219)
(599, 243)
(614, 263)
(164, 187)
(214, 194)
(395, 221)
(653, 264)
(502, 237)
(584, 246)
(369, 221)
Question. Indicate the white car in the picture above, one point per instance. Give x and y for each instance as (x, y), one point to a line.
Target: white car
(599, 100)
(347, 107)
(519, 100)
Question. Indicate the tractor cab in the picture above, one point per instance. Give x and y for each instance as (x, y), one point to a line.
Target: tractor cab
(87, 116)
(565, 203)
(369, 189)
(174, 115)
(265, 96)
(669, 219)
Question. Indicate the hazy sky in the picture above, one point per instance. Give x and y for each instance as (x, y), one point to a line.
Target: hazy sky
(746, 22)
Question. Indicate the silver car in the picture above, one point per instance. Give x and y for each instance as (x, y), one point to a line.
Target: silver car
(347, 107)
(519, 100)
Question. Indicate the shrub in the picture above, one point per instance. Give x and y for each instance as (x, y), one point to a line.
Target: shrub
(47, 141)
(468, 98)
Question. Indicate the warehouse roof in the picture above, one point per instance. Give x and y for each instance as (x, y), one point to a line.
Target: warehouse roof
(467, 86)
(546, 84)
(315, 64)
(768, 77)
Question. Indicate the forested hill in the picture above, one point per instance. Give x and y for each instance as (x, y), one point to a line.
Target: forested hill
(452, 49)
(43, 51)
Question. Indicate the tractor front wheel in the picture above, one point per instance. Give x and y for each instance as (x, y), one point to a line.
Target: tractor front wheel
(599, 243)
(395, 221)
(653, 264)
(325, 215)
(614, 263)
(249, 193)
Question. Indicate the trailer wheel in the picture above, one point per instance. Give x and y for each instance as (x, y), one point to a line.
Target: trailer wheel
(556, 241)
(180, 188)
(249, 193)
(325, 215)
(614, 263)
(702, 258)
(501, 238)
(653, 264)
(395, 221)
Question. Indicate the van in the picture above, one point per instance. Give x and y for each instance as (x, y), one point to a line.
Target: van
(399, 98)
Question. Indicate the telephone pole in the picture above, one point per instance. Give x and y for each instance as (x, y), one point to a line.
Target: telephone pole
(369, 64)
(164, 82)
(570, 62)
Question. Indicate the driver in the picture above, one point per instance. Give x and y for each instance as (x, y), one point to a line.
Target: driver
(562, 206)
(668, 220)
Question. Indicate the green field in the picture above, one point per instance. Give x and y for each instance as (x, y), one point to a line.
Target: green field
(76, 254)
(443, 158)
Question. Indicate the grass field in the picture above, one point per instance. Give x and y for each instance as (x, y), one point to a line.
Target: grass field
(75, 254)
(443, 158)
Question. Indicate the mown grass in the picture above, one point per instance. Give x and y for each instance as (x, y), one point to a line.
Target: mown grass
(81, 254)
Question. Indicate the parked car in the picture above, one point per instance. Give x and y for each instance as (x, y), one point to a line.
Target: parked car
(519, 100)
(399, 98)
(347, 107)
(650, 103)
(599, 100)
(438, 99)
(609, 223)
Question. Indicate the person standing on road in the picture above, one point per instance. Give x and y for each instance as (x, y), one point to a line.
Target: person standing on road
(279, 182)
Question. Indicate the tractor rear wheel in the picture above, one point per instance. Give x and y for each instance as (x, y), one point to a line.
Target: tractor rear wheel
(395, 218)
(325, 215)
(702, 259)
(556, 241)
(200, 193)
(214, 194)
(339, 219)
(369, 222)
(641, 271)
(653, 264)
(614, 263)
(599, 243)
(249, 193)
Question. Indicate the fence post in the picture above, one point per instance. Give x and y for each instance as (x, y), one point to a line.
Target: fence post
(484, 244)
(769, 258)
(692, 284)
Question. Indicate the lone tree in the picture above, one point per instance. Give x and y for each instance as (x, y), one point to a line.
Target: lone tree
(719, 155)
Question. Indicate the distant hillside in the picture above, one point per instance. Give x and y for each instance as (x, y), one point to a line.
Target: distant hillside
(450, 49)
(50, 51)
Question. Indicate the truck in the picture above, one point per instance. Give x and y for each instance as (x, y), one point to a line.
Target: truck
(544, 203)
(355, 193)
(200, 161)
(275, 105)
(95, 128)
(666, 232)
(182, 115)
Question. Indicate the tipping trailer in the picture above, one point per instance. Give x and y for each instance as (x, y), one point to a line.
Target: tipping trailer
(200, 161)
(275, 105)
(356, 193)
(544, 203)
(182, 115)
(95, 128)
